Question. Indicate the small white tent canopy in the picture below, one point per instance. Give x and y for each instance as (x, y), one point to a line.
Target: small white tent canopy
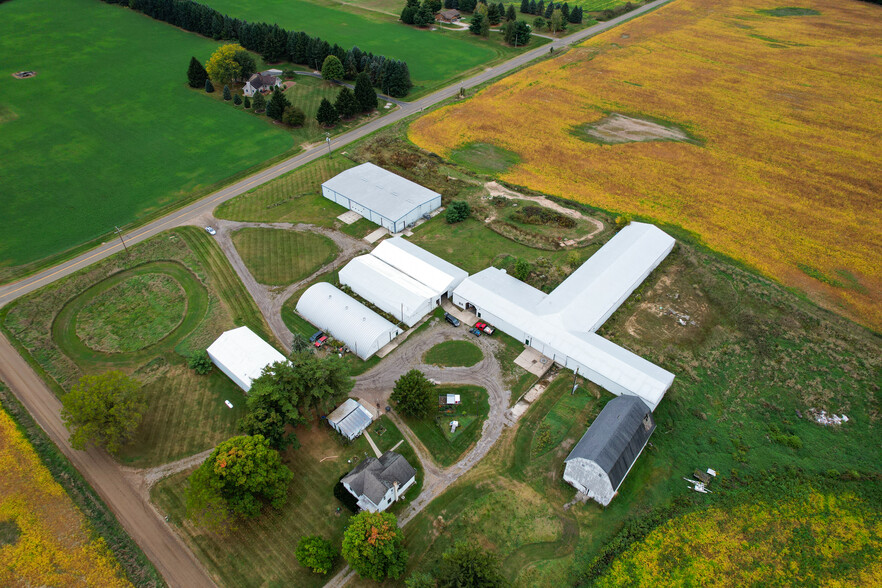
(350, 419)
(242, 355)
(346, 319)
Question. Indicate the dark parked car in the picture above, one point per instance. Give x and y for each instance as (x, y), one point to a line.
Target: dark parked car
(475, 332)
(451, 319)
(315, 336)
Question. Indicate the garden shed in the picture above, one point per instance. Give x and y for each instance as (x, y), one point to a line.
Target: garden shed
(350, 419)
(380, 196)
(607, 451)
(346, 319)
(242, 355)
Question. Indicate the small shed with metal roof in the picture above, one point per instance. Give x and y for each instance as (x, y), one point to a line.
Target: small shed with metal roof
(380, 196)
(602, 458)
(350, 419)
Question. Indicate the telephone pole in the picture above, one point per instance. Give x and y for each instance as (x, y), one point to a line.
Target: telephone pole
(119, 234)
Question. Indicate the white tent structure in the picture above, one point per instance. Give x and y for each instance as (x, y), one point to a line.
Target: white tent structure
(242, 355)
(402, 279)
(561, 325)
(346, 319)
(381, 196)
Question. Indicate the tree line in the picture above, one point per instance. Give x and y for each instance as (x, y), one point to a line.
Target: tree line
(276, 44)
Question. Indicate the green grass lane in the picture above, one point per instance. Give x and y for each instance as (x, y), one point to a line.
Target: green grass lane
(454, 354)
(108, 131)
(278, 257)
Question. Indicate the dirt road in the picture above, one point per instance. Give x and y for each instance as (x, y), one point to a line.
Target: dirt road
(172, 558)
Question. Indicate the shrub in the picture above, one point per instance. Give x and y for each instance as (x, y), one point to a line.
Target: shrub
(293, 117)
(537, 215)
(200, 363)
(458, 211)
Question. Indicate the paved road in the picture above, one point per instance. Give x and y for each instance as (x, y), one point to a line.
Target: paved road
(160, 543)
(192, 213)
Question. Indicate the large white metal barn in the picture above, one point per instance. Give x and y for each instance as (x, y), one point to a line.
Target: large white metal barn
(561, 324)
(346, 319)
(381, 196)
(402, 279)
(242, 355)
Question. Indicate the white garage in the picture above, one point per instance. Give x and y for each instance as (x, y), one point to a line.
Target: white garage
(381, 196)
(402, 279)
(346, 319)
(242, 355)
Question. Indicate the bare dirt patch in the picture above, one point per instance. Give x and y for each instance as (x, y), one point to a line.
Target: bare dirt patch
(618, 128)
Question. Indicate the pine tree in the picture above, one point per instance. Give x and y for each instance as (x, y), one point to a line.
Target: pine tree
(208, 87)
(565, 12)
(533, 7)
(332, 69)
(247, 102)
(407, 14)
(237, 100)
(511, 15)
(196, 74)
(259, 102)
(227, 94)
(549, 10)
(277, 104)
(327, 115)
(424, 16)
(493, 14)
(576, 15)
(364, 93)
(525, 6)
(346, 104)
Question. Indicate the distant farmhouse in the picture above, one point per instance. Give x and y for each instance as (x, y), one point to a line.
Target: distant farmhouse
(449, 15)
(242, 355)
(602, 458)
(350, 419)
(381, 197)
(264, 81)
(378, 483)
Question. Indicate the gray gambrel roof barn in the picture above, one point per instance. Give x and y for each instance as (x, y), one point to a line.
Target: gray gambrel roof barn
(378, 482)
(604, 455)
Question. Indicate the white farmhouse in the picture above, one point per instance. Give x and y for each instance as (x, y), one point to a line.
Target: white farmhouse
(380, 196)
(604, 455)
(264, 81)
(242, 355)
(378, 483)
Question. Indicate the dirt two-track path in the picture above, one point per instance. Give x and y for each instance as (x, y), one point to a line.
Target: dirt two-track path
(178, 566)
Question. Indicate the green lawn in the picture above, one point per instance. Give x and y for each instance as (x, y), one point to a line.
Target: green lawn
(186, 413)
(434, 430)
(454, 354)
(295, 197)
(108, 131)
(277, 257)
(434, 58)
(484, 158)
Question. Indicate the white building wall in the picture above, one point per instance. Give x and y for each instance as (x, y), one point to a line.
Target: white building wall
(589, 478)
(245, 386)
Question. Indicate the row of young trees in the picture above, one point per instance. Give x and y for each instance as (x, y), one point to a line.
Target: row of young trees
(272, 42)
(573, 16)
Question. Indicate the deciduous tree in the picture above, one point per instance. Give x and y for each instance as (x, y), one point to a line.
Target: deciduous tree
(414, 395)
(103, 410)
(467, 564)
(315, 553)
(200, 363)
(223, 67)
(196, 74)
(332, 69)
(247, 65)
(373, 546)
(327, 115)
(364, 93)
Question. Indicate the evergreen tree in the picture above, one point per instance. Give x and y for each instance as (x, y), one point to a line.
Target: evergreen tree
(565, 12)
(477, 24)
(493, 15)
(538, 23)
(196, 74)
(522, 33)
(332, 69)
(508, 32)
(227, 94)
(576, 15)
(277, 104)
(525, 6)
(364, 93)
(467, 5)
(511, 15)
(208, 86)
(533, 7)
(549, 10)
(350, 70)
(237, 100)
(407, 14)
(540, 8)
(327, 115)
(424, 16)
(346, 104)
(259, 102)
(247, 102)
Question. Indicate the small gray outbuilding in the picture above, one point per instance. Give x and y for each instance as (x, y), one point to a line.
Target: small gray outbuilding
(604, 455)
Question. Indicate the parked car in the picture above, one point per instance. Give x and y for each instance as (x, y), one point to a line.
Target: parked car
(210, 231)
(475, 332)
(481, 325)
(451, 319)
(320, 341)
(315, 336)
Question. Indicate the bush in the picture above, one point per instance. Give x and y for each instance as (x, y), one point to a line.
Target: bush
(458, 211)
(537, 215)
(200, 363)
(293, 117)
(237, 100)
(315, 553)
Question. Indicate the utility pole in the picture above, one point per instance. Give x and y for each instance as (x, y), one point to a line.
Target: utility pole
(328, 141)
(119, 234)
(575, 375)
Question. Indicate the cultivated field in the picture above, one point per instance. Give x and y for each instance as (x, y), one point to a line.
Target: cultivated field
(44, 538)
(107, 131)
(59, 328)
(277, 257)
(782, 169)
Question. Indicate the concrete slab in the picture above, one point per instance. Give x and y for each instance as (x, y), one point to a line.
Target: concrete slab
(466, 317)
(534, 362)
(376, 235)
(349, 217)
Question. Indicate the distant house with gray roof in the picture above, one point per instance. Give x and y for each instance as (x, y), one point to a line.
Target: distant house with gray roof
(264, 81)
(604, 455)
(378, 483)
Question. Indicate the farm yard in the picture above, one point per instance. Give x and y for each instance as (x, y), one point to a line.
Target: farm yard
(775, 149)
(277, 257)
(101, 136)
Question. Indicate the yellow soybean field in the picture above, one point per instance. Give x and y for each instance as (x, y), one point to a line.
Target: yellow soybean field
(44, 539)
(752, 126)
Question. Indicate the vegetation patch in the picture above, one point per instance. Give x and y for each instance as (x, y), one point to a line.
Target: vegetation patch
(444, 446)
(277, 257)
(9, 533)
(485, 158)
(618, 128)
(539, 215)
(454, 354)
(133, 314)
(789, 11)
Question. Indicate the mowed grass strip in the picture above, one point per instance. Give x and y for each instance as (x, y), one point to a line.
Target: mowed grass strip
(293, 198)
(434, 430)
(454, 354)
(277, 257)
(108, 131)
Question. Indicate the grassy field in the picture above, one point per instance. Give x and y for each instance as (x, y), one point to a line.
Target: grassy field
(750, 374)
(103, 136)
(260, 552)
(277, 257)
(434, 58)
(295, 197)
(454, 354)
(434, 430)
(186, 413)
(781, 148)
(44, 539)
